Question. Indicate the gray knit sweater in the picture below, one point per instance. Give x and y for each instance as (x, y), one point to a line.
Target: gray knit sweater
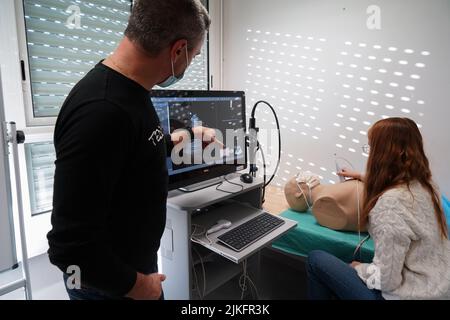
(411, 259)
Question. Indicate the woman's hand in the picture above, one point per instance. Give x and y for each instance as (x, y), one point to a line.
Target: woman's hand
(354, 264)
(346, 173)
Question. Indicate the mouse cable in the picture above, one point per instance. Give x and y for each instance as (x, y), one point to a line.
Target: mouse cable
(230, 182)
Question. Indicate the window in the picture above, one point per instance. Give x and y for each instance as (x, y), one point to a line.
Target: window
(66, 38)
(40, 158)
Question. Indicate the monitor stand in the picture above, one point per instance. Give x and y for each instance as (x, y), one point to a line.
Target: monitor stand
(201, 185)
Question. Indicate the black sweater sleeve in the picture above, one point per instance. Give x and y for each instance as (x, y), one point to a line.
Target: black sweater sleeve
(169, 144)
(92, 148)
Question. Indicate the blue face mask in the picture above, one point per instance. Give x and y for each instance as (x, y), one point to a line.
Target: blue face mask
(171, 80)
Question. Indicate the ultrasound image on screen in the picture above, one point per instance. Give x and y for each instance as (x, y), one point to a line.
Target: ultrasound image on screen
(219, 113)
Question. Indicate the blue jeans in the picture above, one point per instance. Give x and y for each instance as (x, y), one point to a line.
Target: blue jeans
(330, 277)
(92, 294)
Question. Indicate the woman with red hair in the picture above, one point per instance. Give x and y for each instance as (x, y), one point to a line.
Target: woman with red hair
(405, 219)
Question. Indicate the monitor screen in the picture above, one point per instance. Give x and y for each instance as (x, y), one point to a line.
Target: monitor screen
(196, 161)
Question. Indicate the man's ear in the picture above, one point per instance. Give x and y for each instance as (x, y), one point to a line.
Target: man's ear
(178, 50)
(298, 194)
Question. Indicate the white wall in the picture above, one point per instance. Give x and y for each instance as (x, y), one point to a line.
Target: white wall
(307, 57)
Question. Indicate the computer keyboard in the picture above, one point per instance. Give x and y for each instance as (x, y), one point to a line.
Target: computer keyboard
(250, 231)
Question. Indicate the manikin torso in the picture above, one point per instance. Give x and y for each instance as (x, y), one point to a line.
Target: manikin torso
(334, 206)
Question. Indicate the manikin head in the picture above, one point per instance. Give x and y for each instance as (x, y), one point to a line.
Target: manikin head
(298, 191)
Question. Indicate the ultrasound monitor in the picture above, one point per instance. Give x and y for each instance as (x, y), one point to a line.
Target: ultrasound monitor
(223, 111)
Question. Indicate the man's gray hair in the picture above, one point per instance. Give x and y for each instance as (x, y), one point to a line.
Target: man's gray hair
(157, 24)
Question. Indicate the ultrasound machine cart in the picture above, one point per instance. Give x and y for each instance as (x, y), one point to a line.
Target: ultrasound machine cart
(180, 259)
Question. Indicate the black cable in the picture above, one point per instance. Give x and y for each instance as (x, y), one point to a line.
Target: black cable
(230, 182)
(202, 188)
(264, 173)
(252, 124)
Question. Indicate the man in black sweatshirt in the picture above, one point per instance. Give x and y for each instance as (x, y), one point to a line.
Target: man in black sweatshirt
(110, 189)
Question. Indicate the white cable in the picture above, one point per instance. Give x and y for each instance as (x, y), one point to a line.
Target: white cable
(196, 281)
(193, 265)
(203, 233)
(303, 193)
(348, 162)
(359, 246)
(203, 270)
(361, 242)
(244, 276)
(359, 216)
(254, 286)
(207, 238)
(309, 192)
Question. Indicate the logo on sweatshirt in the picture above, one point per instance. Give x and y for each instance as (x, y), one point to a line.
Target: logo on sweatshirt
(156, 136)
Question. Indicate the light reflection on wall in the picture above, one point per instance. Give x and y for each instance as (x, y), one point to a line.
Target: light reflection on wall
(367, 82)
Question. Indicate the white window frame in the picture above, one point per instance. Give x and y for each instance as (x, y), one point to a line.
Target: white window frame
(26, 84)
(216, 45)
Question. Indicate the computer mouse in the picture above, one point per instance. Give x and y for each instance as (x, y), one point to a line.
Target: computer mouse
(246, 178)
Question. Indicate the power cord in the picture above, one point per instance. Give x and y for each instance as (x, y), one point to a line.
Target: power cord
(204, 274)
(243, 281)
(196, 281)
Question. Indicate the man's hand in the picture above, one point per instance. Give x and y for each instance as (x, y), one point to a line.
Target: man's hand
(147, 287)
(351, 174)
(208, 136)
(180, 136)
(354, 264)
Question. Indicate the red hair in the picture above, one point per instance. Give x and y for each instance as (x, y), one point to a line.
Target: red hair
(397, 157)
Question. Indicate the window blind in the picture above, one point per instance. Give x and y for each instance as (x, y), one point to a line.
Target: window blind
(40, 158)
(65, 39)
